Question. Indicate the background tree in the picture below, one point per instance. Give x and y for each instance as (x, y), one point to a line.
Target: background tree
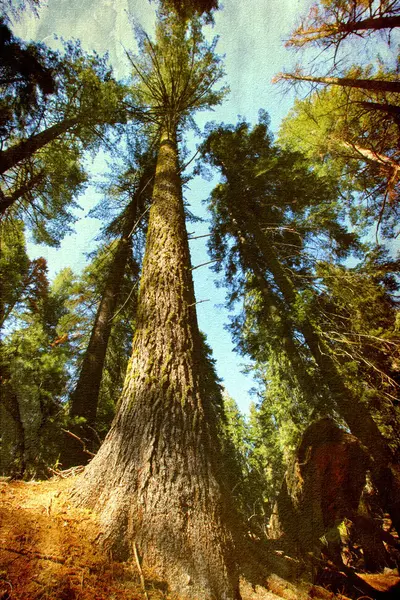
(135, 186)
(262, 231)
(25, 78)
(33, 377)
(347, 141)
(361, 104)
(329, 22)
(41, 160)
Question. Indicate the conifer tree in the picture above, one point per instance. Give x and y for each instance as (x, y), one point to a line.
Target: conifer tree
(262, 228)
(156, 481)
(136, 184)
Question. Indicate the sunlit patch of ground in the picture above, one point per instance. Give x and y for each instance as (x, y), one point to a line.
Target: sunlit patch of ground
(48, 549)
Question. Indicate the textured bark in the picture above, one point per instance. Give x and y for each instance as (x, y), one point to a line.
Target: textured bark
(323, 485)
(12, 156)
(156, 479)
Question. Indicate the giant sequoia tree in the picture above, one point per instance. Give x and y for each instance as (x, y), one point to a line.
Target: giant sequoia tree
(156, 480)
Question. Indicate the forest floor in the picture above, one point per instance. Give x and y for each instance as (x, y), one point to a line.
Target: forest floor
(48, 551)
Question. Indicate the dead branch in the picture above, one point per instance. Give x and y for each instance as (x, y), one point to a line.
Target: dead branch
(142, 581)
(32, 554)
(67, 472)
(84, 449)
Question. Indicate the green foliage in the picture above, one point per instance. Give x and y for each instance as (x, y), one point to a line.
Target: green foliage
(42, 187)
(356, 314)
(185, 9)
(278, 231)
(352, 144)
(35, 372)
(174, 75)
(25, 78)
(14, 266)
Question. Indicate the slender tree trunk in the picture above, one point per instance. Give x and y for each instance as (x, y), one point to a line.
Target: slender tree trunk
(7, 201)
(313, 34)
(376, 85)
(390, 109)
(25, 149)
(353, 411)
(156, 481)
(372, 23)
(85, 397)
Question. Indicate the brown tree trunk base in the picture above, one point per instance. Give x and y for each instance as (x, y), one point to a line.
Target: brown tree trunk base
(174, 525)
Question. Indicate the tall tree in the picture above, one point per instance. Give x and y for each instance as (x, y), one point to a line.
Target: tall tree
(157, 480)
(252, 208)
(137, 184)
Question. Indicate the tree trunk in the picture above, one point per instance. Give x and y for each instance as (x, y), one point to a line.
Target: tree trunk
(85, 397)
(157, 479)
(7, 201)
(10, 402)
(329, 30)
(372, 23)
(26, 148)
(376, 85)
(390, 109)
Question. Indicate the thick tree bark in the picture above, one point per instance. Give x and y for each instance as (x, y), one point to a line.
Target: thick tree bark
(376, 85)
(156, 481)
(26, 148)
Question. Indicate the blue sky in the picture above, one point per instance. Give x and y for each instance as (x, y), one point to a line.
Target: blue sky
(251, 38)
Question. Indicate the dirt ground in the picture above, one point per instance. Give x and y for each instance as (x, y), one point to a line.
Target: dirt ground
(48, 551)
